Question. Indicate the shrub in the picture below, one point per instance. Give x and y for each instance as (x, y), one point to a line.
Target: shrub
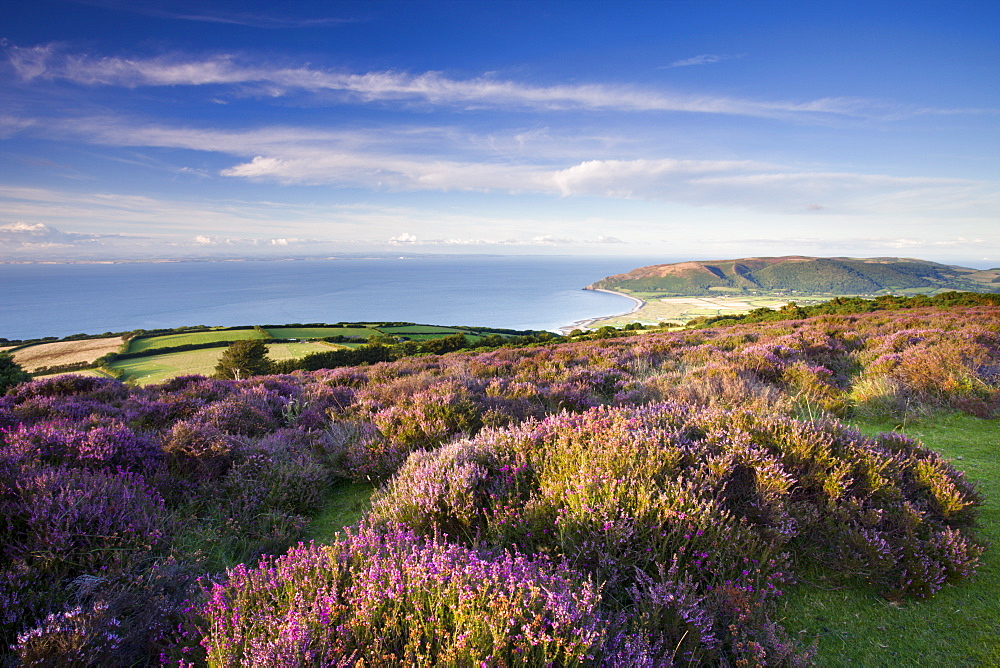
(199, 451)
(719, 496)
(61, 442)
(394, 598)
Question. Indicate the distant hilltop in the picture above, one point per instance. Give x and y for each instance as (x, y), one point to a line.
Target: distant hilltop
(804, 275)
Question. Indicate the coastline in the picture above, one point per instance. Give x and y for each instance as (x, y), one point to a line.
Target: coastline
(577, 324)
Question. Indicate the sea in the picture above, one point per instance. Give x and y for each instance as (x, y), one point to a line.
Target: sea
(514, 292)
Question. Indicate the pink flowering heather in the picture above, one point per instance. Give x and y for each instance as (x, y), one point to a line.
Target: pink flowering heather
(394, 599)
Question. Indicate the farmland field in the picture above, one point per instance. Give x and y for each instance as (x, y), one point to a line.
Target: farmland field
(288, 351)
(319, 332)
(60, 353)
(408, 330)
(427, 337)
(188, 338)
(90, 373)
(160, 368)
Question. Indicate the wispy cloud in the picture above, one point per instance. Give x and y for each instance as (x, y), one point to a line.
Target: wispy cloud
(409, 239)
(50, 61)
(198, 12)
(443, 159)
(704, 59)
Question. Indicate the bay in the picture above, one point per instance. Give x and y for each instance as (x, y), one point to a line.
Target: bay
(517, 292)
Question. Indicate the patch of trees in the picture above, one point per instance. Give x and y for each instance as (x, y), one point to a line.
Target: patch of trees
(243, 359)
(11, 372)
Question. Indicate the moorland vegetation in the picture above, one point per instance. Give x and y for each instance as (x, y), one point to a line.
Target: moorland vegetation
(624, 498)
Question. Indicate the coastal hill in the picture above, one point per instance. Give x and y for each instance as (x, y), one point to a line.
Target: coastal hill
(799, 274)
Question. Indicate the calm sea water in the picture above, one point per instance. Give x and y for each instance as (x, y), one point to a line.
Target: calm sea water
(514, 292)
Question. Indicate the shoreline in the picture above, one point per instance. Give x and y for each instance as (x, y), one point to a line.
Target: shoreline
(577, 324)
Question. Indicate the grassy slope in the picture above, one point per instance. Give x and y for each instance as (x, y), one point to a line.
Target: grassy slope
(287, 351)
(960, 626)
(160, 368)
(422, 329)
(319, 332)
(185, 338)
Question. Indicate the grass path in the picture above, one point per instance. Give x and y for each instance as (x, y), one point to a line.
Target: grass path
(960, 626)
(345, 505)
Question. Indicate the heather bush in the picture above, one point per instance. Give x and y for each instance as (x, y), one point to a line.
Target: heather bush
(74, 636)
(92, 387)
(199, 451)
(64, 524)
(427, 418)
(279, 473)
(395, 599)
(251, 412)
(68, 521)
(730, 500)
(74, 444)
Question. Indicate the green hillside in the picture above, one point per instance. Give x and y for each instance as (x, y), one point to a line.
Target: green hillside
(841, 276)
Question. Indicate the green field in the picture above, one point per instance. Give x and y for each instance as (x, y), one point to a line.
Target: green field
(408, 330)
(95, 373)
(319, 332)
(160, 368)
(188, 338)
(428, 337)
(959, 626)
(288, 351)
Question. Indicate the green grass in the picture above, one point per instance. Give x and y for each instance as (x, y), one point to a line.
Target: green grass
(288, 351)
(422, 329)
(161, 368)
(344, 506)
(426, 337)
(319, 332)
(185, 338)
(960, 626)
(97, 373)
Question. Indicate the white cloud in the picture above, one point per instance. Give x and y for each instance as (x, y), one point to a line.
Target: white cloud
(442, 159)
(404, 238)
(50, 62)
(703, 59)
(208, 240)
(22, 236)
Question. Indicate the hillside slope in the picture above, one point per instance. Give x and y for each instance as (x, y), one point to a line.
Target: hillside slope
(795, 273)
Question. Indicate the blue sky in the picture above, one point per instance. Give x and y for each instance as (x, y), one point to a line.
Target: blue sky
(690, 129)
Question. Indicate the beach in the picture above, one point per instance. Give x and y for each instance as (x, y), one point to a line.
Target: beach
(637, 305)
